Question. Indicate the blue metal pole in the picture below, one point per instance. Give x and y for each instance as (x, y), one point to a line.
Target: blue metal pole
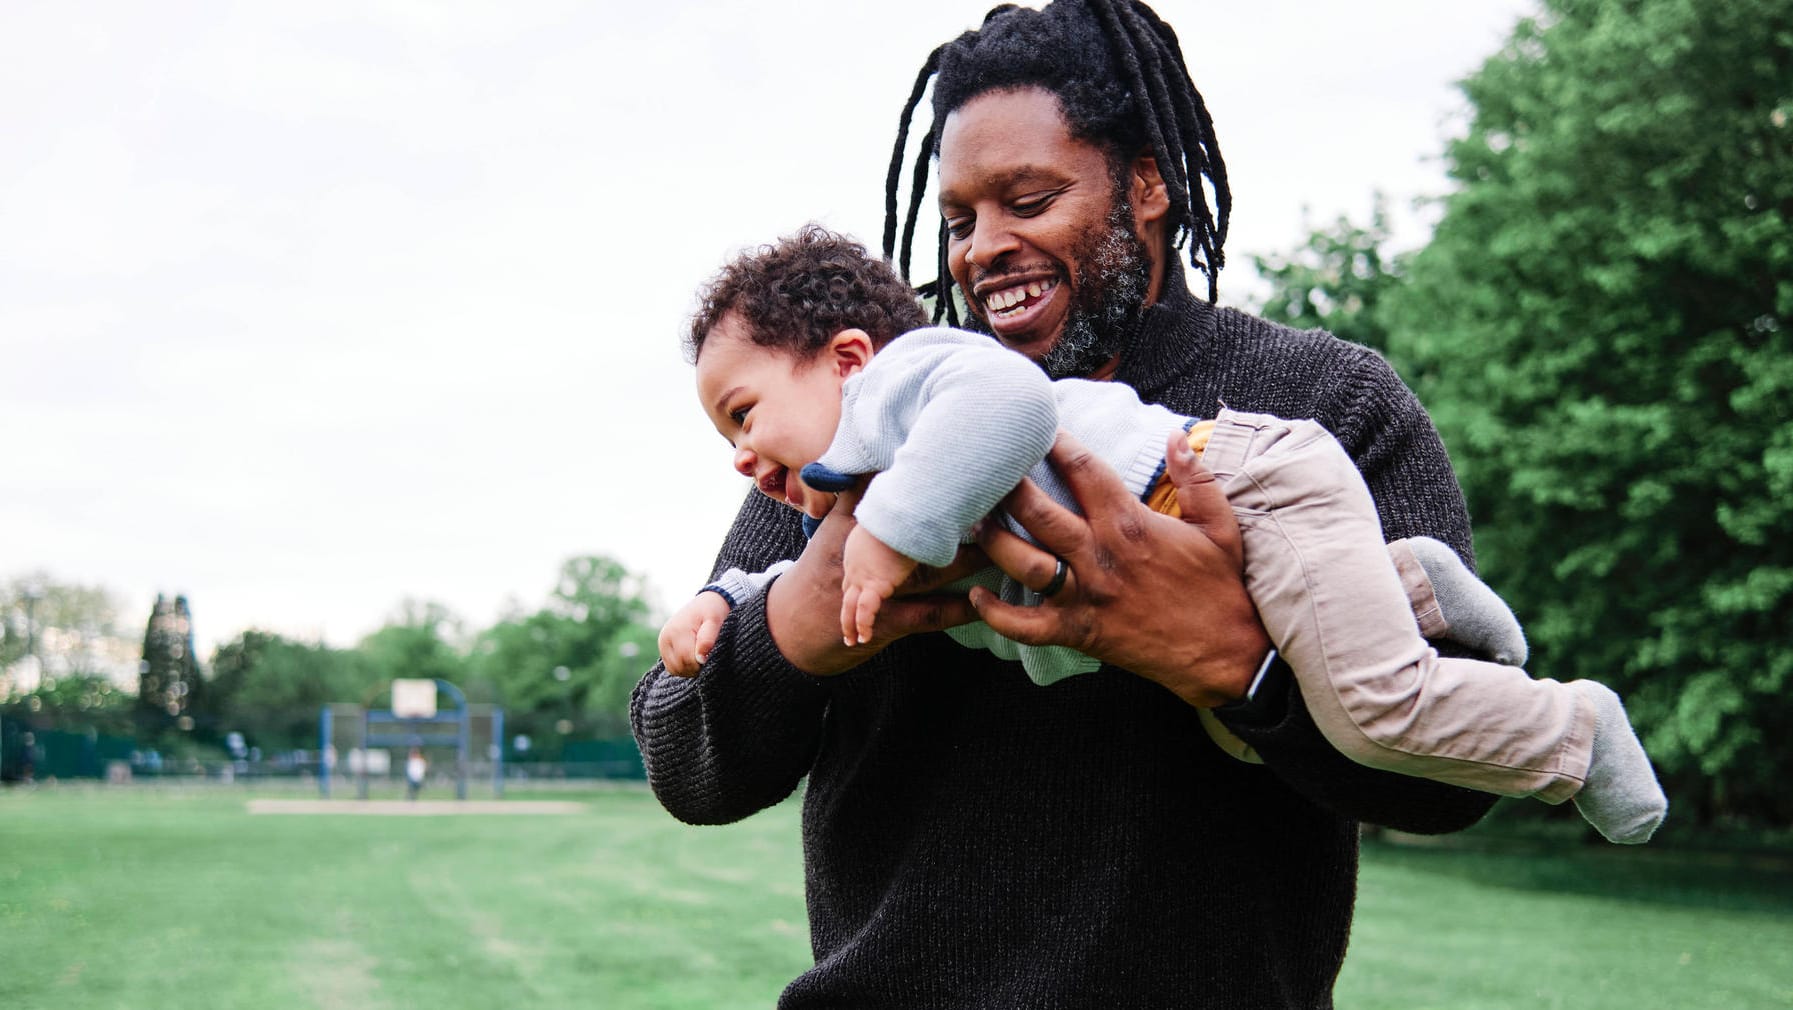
(324, 727)
(498, 753)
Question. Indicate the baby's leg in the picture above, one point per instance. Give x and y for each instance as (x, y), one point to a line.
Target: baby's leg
(1319, 573)
(1447, 600)
(1451, 604)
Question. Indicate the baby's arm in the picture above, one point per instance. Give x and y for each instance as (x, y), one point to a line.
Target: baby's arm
(872, 571)
(688, 636)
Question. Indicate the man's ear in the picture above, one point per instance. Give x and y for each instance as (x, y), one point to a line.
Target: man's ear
(1151, 197)
(850, 351)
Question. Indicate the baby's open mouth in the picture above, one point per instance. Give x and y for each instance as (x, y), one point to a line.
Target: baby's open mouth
(772, 483)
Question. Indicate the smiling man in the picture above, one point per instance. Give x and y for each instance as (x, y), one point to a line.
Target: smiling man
(970, 839)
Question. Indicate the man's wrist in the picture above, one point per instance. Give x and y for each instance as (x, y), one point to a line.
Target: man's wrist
(1266, 698)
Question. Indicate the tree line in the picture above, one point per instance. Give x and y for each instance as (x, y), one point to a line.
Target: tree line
(562, 671)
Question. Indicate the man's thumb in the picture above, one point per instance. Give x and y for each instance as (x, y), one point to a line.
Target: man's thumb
(1199, 497)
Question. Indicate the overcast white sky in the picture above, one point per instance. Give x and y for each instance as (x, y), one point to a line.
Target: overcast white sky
(306, 308)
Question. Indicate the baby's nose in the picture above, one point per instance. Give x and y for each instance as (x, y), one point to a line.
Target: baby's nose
(745, 462)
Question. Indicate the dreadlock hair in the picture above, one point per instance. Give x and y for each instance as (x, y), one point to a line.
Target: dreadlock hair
(1119, 76)
(797, 293)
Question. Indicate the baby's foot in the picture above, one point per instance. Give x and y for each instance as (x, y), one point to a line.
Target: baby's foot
(1621, 797)
(1477, 616)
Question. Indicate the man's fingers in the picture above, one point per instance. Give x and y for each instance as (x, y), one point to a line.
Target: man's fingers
(1092, 482)
(1200, 498)
(1027, 625)
(926, 578)
(1058, 530)
(1025, 563)
(908, 615)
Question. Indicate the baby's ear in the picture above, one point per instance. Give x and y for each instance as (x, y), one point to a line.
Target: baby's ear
(850, 351)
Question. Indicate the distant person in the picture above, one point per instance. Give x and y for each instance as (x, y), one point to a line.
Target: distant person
(415, 769)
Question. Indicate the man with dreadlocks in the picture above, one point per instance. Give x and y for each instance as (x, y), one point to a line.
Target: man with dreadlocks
(971, 840)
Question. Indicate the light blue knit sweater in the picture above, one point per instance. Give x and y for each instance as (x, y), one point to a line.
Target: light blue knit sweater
(950, 422)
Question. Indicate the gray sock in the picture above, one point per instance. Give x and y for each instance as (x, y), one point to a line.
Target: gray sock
(1621, 797)
(1478, 617)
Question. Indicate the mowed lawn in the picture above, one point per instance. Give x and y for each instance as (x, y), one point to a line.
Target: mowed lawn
(147, 898)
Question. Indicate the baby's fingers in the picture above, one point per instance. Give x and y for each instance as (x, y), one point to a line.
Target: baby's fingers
(705, 639)
(867, 614)
(849, 616)
(676, 658)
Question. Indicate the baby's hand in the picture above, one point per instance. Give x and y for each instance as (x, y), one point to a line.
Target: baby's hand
(872, 573)
(688, 637)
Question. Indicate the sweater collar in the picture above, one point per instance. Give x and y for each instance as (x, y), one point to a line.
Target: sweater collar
(1169, 337)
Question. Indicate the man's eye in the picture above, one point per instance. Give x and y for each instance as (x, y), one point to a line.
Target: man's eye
(959, 228)
(1028, 208)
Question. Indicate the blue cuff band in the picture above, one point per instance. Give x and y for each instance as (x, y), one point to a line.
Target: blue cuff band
(824, 478)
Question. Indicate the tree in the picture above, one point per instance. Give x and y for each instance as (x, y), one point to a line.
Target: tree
(1336, 281)
(169, 681)
(1601, 327)
(421, 640)
(71, 629)
(574, 661)
(271, 688)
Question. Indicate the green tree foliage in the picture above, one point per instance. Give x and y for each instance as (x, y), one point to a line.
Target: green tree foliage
(1600, 325)
(271, 688)
(169, 683)
(574, 661)
(422, 640)
(81, 702)
(1336, 281)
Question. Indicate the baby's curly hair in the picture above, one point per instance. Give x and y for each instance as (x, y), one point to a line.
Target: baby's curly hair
(797, 293)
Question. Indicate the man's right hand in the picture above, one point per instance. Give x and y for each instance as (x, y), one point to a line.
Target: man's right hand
(803, 606)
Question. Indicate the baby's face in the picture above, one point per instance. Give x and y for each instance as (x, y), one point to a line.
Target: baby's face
(778, 411)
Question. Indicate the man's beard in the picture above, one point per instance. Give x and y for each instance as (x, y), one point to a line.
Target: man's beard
(1114, 273)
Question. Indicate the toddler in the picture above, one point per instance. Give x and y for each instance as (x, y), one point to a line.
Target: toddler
(799, 368)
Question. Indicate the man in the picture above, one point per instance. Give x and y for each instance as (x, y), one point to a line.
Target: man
(971, 839)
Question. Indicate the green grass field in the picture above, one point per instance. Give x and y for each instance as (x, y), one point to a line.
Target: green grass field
(154, 897)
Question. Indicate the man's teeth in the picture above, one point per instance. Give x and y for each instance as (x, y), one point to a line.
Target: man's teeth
(1007, 302)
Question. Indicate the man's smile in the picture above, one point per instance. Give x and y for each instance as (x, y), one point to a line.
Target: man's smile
(1020, 310)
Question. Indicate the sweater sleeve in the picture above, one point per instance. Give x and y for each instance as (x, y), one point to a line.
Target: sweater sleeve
(1389, 435)
(737, 737)
(737, 586)
(951, 422)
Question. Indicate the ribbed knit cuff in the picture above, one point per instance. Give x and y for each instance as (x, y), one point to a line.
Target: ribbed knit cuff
(762, 669)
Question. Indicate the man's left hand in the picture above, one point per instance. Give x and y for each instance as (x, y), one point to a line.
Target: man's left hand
(1160, 596)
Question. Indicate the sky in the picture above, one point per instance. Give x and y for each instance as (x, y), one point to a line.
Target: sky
(307, 309)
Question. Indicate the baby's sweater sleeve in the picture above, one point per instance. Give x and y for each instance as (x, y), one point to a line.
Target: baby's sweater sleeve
(737, 586)
(950, 422)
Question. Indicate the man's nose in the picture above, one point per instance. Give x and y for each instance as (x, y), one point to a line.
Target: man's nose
(745, 461)
(990, 241)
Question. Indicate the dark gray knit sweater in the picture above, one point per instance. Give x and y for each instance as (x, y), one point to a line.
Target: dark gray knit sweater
(972, 840)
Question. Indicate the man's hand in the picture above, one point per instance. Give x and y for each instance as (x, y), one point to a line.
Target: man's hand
(804, 605)
(872, 571)
(1160, 596)
(690, 634)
